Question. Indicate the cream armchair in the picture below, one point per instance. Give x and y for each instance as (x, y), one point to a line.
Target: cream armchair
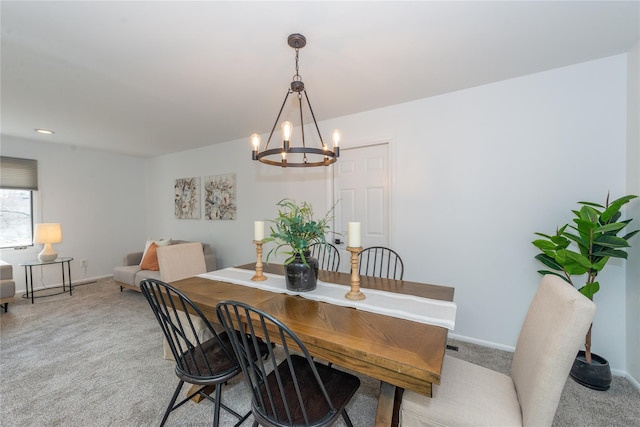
(469, 395)
(178, 262)
(7, 285)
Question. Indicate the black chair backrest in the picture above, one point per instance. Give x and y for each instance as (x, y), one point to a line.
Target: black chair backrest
(190, 352)
(277, 389)
(327, 255)
(378, 261)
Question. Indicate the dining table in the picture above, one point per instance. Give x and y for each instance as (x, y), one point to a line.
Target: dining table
(400, 353)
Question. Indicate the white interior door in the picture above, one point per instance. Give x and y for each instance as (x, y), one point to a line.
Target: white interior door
(361, 188)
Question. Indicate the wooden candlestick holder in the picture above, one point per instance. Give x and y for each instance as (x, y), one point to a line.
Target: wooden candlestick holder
(258, 277)
(354, 293)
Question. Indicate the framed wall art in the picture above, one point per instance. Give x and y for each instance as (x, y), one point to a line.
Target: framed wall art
(220, 197)
(187, 198)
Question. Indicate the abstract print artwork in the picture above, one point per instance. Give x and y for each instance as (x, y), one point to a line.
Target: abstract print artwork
(187, 201)
(220, 196)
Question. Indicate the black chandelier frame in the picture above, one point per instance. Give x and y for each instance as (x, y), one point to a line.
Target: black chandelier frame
(296, 41)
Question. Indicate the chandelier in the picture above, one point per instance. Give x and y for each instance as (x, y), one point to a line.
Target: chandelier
(299, 156)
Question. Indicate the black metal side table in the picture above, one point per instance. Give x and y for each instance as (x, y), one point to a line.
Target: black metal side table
(28, 273)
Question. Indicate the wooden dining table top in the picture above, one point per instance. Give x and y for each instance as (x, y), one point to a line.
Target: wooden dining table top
(400, 352)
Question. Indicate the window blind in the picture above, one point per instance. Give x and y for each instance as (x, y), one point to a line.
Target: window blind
(18, 174)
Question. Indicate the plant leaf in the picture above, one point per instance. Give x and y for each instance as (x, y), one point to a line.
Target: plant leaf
(630, 235)
(572, 262)
(596, 205)
(544, 244)
(613, 253)
(599, 265)
(588, 214)
(548, 261)
(590, 289)
(585, 224)
(614, 207)
(614, 226)
(543, 235)
(583, 244)
(610, 241)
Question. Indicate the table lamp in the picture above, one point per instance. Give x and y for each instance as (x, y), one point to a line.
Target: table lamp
(48, 233)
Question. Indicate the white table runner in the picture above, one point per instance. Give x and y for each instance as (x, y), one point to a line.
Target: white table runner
(409, 307)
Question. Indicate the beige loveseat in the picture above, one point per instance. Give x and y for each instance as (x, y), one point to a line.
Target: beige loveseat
(130, 274)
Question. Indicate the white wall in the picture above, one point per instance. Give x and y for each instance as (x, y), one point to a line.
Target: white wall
(478, 172)
(98, 198)
(259, 187)
(633, 187)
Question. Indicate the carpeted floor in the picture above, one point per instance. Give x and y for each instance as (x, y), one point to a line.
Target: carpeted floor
(94, 359)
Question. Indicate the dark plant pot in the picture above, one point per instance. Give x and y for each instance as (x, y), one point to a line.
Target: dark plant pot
(301, 277)
(595, 375)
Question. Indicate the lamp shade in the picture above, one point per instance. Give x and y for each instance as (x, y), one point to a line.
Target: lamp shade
(48, 233)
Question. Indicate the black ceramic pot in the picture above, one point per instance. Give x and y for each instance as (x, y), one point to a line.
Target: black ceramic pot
(595, 375)
(301, 277)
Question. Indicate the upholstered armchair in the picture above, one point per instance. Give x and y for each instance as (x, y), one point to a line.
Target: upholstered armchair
(7, 285)
(553, 330)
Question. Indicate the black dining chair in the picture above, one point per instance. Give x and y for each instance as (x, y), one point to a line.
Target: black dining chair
(327, 255)
(295, 392)
(205, 363)
(378, 261)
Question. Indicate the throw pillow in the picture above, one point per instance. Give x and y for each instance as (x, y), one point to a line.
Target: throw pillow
(161, 242)
(150, 260)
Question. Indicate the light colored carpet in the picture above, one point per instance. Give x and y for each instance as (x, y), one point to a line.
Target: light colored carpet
(579, 406)
(94, 359)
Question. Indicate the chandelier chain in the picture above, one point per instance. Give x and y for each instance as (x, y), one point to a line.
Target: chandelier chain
(297, 76)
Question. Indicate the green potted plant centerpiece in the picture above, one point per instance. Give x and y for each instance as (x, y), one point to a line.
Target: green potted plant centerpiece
(583, 248)
(295, 228)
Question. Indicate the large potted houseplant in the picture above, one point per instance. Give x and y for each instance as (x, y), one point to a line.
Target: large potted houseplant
(295, 228)
(583, 248)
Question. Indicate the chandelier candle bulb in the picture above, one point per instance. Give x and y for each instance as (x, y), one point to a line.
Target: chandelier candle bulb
(354, 235)
(255, 142)
(287, 130)
(258, 231)
(337, 135)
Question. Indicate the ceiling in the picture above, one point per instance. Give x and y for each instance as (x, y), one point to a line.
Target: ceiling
(147, 78)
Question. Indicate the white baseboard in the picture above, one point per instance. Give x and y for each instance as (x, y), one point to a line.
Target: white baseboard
(79, 282)
(615, 372)
(633, 381)
(90, 279)
(484, 343)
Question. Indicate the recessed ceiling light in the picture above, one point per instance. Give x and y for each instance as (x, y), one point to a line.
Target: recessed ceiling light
(45, 131)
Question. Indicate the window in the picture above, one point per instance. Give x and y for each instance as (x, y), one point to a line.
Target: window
(16, 216)
(18, 180)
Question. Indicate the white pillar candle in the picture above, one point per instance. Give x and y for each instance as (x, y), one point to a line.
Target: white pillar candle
(354, 235)
(258, 230)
